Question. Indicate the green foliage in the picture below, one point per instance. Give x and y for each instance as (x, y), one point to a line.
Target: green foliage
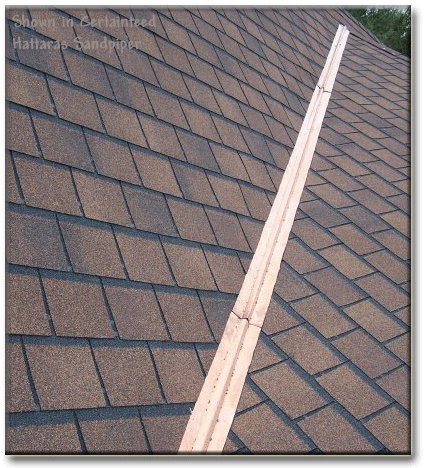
(392, 26)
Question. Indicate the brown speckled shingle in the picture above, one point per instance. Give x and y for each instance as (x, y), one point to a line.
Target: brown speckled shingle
(194, 184)
(355, 239)
(26, 312)
(191, 221)
(46, 439)
(384, 291)
(102, 199)
(391, 427)
(135, 311)
(19, 397)
(19, 132)
(112, 158)
(299, 398)
(166, 107)
(322, 315)
(180, 373)
(149, 211)
(352, 391)
(398, 385)
(197, 150)
(92, 249)
(144, 258)
(121, 122)
(24, 233)
(226, 268)
(165, 433)
(333, 434)
(228, 230)
(189, 265)
(28, 88)
(77, 307)
(181, 307)
(161, 137)
(366, 353)
(265, 433)
(64, 376)
(47, 186)
(87, 73)
(124, 436)
(156, 172)
(62, 142)
(306, 349)
(335, 286)
(128, 375)
(75, 105)
(373, 320)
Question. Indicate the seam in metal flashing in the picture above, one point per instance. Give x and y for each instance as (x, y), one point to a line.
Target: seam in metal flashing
(214, 411)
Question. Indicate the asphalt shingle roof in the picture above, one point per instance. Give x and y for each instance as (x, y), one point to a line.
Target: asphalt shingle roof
(138, 184)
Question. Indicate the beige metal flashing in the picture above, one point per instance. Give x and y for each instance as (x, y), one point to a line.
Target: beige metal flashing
(213, 414)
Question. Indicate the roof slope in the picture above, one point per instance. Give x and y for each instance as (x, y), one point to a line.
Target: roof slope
(138, 184)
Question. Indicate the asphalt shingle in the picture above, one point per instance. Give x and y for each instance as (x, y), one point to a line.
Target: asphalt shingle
(28, 88)
(346, 262)
(135, 310)
(266, 433)
(384, 291)
(92, 249)
(129, 91)
(87, 73)
(366, 353)
(222, 92)
(373, 320)
(335, 286)
(62, 142)
(112, 158)
(24, 248)
(77, 306)
(300, 398)
(352, 391)
(165, 432)
(189, 265)
(64, 376)
(181, 307)
(128, 375)
(116, 436)
(398, 385)
(121, 122)
(19, 391)
(144, 258)
(392, 428)
(197, 150)
(226, 268)
(227, 229)
(149, 211)
(19, 132)
(102, 199)
(323, 316)
(47, 439)
(180, 374)
(333, 434)
(75, 105)
(355, 239)
(26, 314)
(191, 221)
(194, 184)
(306, 349)
(161, 137)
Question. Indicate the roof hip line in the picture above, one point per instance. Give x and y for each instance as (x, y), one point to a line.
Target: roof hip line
(214, 411)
